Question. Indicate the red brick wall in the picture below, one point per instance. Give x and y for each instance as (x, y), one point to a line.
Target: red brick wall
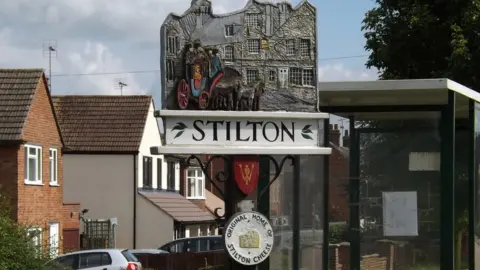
(9, 175)
(41, 205)
(338, 175)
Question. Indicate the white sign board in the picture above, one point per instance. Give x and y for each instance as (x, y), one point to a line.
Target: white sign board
(249, 238)
(400, 215)
(231, 132)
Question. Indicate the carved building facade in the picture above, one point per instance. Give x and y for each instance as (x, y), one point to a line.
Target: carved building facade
(270, 42)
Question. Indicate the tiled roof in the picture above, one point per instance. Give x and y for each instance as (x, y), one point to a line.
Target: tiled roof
(102, 123)
(17, 89)
(177, 206)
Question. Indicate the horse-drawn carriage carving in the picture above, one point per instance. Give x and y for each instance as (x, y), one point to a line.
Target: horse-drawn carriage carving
(203, 70)
(205, 83)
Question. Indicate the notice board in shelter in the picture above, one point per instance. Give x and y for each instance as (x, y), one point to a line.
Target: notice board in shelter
(400, 213)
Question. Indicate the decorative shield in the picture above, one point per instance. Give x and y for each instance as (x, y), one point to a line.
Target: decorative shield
(246, 171)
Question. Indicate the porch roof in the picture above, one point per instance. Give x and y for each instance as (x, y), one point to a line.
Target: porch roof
(349, 96)
(177, 206)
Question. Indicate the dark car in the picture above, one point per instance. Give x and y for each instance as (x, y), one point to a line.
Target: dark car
(195, 244)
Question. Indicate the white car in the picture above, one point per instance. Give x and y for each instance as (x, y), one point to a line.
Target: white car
(99, 259)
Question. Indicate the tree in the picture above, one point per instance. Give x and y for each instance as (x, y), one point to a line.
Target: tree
(412, 39)
(16, 250)
(424, 39)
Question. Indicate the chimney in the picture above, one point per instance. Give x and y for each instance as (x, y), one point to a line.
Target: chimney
(346, 139)
(334, 134)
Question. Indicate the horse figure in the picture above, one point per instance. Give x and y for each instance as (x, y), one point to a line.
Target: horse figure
(248, 99)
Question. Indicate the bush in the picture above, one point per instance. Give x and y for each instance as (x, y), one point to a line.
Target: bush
(16, 250)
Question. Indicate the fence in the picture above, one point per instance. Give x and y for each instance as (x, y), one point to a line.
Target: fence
(391, 257)
(185, 261)
(98, 234)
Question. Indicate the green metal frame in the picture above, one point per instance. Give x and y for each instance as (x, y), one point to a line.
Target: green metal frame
(472, 185)
(447, 185)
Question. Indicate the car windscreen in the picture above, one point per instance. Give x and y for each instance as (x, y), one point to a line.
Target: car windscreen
(129, 256)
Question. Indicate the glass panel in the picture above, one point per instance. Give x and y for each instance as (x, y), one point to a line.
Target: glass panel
(199, 173)
(32, 169)
(477, 186)
(32, 151)
(281, 209)
(191, 172)
(39, 164)
(400, 194)
(200, 187)
(311, 212)
(55, 164)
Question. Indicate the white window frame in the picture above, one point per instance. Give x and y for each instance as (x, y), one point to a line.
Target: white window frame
(38, 161)
(229, 30)
(199, 176)
(39, 246)
(290, 47)
(253, 46)
(53, 165)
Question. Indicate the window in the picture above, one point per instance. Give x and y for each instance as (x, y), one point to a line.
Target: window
(147, 172)
(171, 175)
(68, 260)
(173, 44)
(159, 173)
(170, 72)
(177, 247)
(251, 20)
(272, 76)
(195, 183)
(53, 166)
(229, 52)
(290, 46)
(35, 237)
(94, 259)
(305, 47)
(54, 239)
(298, 76)
(33, 164)
(253, 45)
(216, 244)
(229, 30)
(252, 75)
(307, 76)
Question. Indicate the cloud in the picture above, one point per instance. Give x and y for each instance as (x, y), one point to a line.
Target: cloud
(339, 72)
(97, 58)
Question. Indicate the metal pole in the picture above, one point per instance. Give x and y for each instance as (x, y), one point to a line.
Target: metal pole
(326, 197)
(50, 48)
(296, 213)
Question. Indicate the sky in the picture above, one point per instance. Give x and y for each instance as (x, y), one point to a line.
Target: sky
(118, 40)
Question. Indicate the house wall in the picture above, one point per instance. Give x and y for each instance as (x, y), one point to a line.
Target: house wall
(104, 184)
(151, 137)
(40, 205)
(9, 175)
(154, 227)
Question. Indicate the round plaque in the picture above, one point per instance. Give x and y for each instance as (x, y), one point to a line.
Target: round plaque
(248, 238)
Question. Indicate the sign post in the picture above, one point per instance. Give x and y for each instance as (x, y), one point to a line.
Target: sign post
(240, 139)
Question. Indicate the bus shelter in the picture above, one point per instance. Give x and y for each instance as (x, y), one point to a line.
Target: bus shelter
(412, 172)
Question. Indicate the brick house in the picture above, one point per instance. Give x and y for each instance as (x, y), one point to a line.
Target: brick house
(31, 161)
